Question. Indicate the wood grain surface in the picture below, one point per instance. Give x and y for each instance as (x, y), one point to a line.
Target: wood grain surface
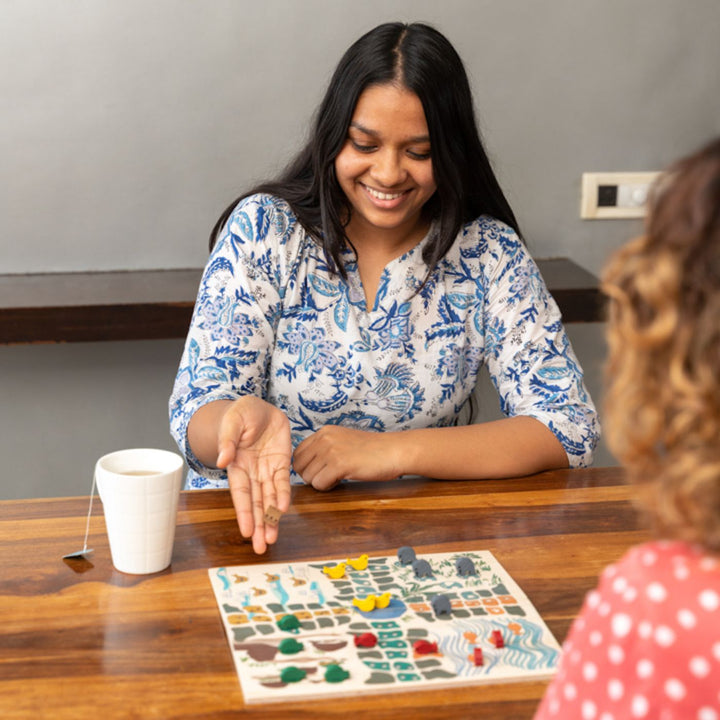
(82, 640)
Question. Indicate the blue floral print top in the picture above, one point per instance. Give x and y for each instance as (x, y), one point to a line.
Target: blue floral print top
(272, 320)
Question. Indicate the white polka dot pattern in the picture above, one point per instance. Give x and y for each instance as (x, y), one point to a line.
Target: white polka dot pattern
(645, 669)
(709, 600)
(621, 625)
(700, 667)
(664, 636)
(615, 689)
(674, 689)
(647, 642)
(639, 707)
(707, 713)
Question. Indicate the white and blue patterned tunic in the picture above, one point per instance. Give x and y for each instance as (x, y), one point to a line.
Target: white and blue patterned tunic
(271, 320)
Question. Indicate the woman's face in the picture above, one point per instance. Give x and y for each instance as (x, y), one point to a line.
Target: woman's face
(384, 167)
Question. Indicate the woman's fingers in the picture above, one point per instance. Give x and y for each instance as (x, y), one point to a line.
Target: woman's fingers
(241, 493)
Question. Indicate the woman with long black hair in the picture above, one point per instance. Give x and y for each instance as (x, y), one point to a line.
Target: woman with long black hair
(348, 306)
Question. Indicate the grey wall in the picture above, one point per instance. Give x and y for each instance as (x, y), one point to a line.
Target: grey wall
(64, 406)
(127, 125)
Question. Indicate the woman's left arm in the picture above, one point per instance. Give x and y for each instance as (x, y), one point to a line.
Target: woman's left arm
(502, 448)
(530, 359)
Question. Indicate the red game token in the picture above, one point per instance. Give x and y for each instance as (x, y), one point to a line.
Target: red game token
(365, 640)
(423, 647)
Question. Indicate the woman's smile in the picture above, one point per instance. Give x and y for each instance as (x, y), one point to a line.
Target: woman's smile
(384, 199)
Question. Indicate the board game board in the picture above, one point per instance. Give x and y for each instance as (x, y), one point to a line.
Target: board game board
(296, 632)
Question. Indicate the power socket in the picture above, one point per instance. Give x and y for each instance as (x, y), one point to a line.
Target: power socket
(607, 196)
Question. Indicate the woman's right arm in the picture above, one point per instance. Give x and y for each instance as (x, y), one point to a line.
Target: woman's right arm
(226, 355)
(250, 438)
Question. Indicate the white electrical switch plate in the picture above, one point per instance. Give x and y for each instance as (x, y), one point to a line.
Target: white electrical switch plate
(615, 195)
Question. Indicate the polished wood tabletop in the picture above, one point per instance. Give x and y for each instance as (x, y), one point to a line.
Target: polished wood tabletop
(82, 640)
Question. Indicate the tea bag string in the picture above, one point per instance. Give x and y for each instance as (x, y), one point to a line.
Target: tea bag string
(89, 513)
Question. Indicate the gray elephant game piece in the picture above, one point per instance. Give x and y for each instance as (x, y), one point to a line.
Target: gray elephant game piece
(465, 566)
(422, 568)
(441, 605)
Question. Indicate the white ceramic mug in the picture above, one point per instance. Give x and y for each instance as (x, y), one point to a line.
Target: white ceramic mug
(139, 489)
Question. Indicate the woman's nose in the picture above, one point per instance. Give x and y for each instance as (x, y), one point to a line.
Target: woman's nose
(388, 169)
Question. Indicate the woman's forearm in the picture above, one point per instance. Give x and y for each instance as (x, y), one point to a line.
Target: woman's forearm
(204, 429)
(501, 448)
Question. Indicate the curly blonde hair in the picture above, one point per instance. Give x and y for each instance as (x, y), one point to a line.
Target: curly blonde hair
(663, 369)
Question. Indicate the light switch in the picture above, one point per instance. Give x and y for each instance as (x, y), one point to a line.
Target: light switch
(615, 195)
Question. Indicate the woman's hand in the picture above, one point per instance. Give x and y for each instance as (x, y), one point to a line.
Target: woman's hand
(335, 453)
(254, 446)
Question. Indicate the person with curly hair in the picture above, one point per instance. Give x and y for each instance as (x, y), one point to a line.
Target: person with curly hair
(647, 641)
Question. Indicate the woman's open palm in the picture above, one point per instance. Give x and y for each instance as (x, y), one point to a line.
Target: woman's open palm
(255, 448)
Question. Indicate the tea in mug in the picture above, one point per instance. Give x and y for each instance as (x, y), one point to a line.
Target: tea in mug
(141, 472)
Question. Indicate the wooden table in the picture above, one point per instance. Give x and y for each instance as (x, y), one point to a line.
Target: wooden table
(91, 642)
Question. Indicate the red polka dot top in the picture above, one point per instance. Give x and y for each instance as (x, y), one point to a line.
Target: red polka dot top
(646, 643)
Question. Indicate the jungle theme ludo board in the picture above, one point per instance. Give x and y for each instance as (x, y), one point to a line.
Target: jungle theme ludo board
(377, 624)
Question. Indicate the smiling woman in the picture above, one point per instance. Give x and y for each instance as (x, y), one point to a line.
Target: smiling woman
(348, 306)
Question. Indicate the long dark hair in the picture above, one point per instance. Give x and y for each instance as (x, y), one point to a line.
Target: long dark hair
(421, 59)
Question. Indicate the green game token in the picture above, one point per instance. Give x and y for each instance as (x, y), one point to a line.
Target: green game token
(292, 674)
(335, 674)
(290, 646)
(288, 622)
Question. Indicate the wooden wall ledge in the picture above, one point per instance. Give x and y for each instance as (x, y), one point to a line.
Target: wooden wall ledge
(158, 304)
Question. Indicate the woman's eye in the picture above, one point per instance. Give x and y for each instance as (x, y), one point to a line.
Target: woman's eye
(415, 155)
(362, 148)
